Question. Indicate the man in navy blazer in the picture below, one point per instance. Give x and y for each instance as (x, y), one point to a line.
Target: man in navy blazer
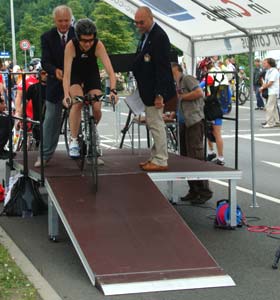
(53, 44)
(152, 71)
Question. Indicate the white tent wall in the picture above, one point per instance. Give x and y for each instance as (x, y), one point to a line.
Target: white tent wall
(216, 27)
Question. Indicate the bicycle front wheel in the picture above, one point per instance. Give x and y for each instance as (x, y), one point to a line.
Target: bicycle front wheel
(92, 154)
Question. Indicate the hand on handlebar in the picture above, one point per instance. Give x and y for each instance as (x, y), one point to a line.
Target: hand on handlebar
(67, 102)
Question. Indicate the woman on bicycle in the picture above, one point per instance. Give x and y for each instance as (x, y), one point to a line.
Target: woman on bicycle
(81, 75)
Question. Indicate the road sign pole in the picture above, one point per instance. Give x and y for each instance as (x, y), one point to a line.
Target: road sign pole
(25, 61)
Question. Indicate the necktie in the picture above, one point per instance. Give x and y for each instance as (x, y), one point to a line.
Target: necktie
(140, 45)
(63, 42)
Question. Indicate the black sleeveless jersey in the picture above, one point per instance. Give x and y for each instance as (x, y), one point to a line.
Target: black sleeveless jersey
(85, 68)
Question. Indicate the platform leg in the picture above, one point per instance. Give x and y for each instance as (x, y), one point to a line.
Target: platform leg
(233, 202)
(53, 221)
(171, 196)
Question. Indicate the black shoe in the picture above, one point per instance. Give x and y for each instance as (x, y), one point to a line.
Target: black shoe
(211, 156)
(263, 123)
(205, 195)
(190, 196)
(262, 108)
(257, 108)
(219, 162)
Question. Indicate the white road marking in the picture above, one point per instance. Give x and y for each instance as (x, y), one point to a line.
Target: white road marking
(250, 192)
(277, 165)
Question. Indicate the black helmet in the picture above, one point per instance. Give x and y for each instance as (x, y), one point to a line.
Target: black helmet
(85, 27)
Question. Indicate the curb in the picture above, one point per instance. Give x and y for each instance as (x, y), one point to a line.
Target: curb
(44, 289)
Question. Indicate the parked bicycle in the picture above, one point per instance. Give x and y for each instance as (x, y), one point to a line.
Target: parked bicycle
(87, 137)
(244, 92)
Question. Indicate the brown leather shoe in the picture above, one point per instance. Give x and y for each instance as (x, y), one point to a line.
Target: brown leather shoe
(142, 164)
(151, 167)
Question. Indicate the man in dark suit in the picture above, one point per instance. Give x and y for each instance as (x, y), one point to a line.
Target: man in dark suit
(155, 82)
(53, 44)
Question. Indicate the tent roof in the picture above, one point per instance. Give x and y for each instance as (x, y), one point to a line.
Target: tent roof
(213, 26)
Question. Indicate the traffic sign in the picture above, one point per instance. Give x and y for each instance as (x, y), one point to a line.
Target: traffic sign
(24, 45)
(4, 54)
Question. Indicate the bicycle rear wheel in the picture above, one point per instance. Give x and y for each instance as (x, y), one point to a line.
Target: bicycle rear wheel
(92, 153)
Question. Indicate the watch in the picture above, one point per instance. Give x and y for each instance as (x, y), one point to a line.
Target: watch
(114, 91)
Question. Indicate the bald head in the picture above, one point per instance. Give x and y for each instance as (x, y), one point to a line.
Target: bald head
(143, 19)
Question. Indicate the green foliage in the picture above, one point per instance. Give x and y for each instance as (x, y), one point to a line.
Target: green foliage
(114, 29)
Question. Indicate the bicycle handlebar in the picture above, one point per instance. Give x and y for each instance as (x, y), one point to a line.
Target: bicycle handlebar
(88, 98)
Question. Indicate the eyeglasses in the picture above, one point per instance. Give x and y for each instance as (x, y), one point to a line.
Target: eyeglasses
(86, 40)
(139, 22)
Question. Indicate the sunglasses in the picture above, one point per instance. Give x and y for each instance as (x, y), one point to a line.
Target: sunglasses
(139, 22)
(86, 40)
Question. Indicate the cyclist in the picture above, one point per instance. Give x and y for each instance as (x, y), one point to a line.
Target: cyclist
(81, 75)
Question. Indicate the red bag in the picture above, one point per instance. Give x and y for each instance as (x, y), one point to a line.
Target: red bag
(2, 193)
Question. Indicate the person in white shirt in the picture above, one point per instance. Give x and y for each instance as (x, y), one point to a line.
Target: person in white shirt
(271, 82)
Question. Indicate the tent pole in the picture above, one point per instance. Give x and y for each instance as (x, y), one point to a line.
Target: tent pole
(193, 60)
(252, 121)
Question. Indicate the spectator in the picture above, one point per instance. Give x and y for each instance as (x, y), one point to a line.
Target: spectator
(4, 129)
(217, 123)
(257, 82)
(34, 92)
(191, 106)
(152, 71)
(53, 44)
(271, 82)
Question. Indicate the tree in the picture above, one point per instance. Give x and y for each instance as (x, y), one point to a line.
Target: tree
(77, 9)
(114, 29)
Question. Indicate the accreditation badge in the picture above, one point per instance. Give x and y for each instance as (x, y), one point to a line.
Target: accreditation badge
(147, 57)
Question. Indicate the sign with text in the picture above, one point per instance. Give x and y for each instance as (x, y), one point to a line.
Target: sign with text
(24, 45)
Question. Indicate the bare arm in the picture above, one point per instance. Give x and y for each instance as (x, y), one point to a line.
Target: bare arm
(68, 59)
(101, 53)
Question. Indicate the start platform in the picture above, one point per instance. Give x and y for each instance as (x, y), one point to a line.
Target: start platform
(128, 237)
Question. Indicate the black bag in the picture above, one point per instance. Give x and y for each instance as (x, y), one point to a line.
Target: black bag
(25, 199)
(212, 107)
(265, 93)
(209, 132)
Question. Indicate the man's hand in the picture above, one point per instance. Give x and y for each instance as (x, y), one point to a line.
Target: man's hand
(59, 74)
(159, 102)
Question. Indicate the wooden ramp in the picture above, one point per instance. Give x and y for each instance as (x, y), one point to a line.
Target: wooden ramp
(129, 238)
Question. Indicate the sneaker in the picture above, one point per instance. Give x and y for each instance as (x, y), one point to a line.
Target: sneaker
(219, 162)
(268, 126)
(74, 149)
(257, 108)
(100, 162)
(211, 156)
(263, 123)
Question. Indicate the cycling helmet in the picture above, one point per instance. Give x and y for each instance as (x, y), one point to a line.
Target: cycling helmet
(85, 27)
(35, 64)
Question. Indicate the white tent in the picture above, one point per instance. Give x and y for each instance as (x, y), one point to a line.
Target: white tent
(213, 27)
(216, 27)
